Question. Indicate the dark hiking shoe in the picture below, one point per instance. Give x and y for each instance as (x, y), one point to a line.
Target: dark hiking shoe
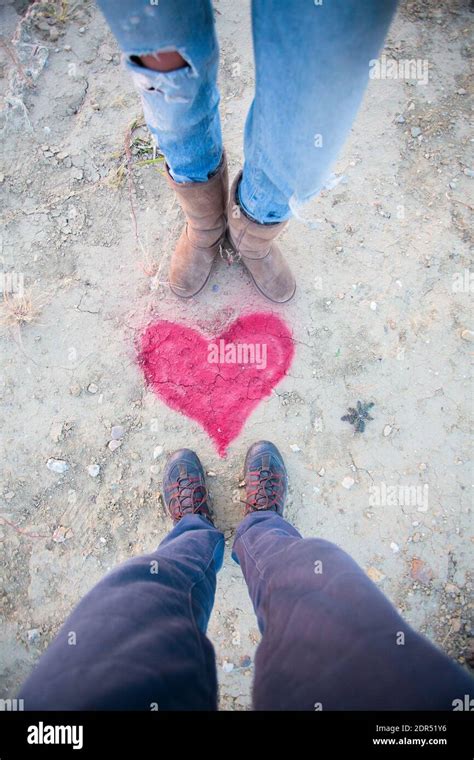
(184, 486)
(266, 479)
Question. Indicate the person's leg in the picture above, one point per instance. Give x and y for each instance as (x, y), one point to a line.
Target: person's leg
(330, 639)
(137, 641)
(312, 67)
(171, 51)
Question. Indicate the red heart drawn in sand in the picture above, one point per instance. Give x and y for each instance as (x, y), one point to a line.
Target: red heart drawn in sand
(217, 381)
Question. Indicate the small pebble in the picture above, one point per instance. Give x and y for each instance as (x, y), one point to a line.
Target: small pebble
(92, 388)
(400, 119)
(295, 448)
(374, 574)
(347, 482)
(75, 390)
(387, 430)
(59, 466)
(117, 432)
(321, 472)
(394, 547)
(102, 540)
(467, 335)
(415, 131)
(33, 635)
(469, 172)
(450, 588)
(93, 470)
(227, 667)
(114, 445)
(211, 473)
(373, 306)
(420, 571)
(157, 452)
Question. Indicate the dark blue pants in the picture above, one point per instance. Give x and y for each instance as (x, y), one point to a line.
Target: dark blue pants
(330, 639)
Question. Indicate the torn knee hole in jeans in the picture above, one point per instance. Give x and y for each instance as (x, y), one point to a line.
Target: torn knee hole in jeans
(165, 71)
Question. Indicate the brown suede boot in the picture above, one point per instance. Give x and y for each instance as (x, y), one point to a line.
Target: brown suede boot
(255, 243)
(204, 206)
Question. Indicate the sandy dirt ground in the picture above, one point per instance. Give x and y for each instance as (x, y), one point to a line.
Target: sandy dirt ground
(382, 315)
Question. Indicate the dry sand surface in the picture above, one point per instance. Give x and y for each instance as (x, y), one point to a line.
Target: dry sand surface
(382, 315)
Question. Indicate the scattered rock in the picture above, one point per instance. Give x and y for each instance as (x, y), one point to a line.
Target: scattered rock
(61, 534)
(92, 388)
(157, 452)
(469, 172)
(93, 470)
(375, 575)
(419, 571)
(321, 472)
(387, 430)
(415, 131)
(450, 588)
(373, 305)
(245, 662)
(211, 473)
(347, 482)
(114, 444)
(467, 335)
(59, 466)
(394, 547)
(75, 389)
(117, 432)
(400, 119)
(295, 448)
(33, 635)
(227, 667)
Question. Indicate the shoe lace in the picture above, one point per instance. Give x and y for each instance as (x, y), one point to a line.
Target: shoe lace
(266, 490)
(189, 494)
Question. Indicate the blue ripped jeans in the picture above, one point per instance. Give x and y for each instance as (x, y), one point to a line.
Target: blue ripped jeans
(311, 66)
